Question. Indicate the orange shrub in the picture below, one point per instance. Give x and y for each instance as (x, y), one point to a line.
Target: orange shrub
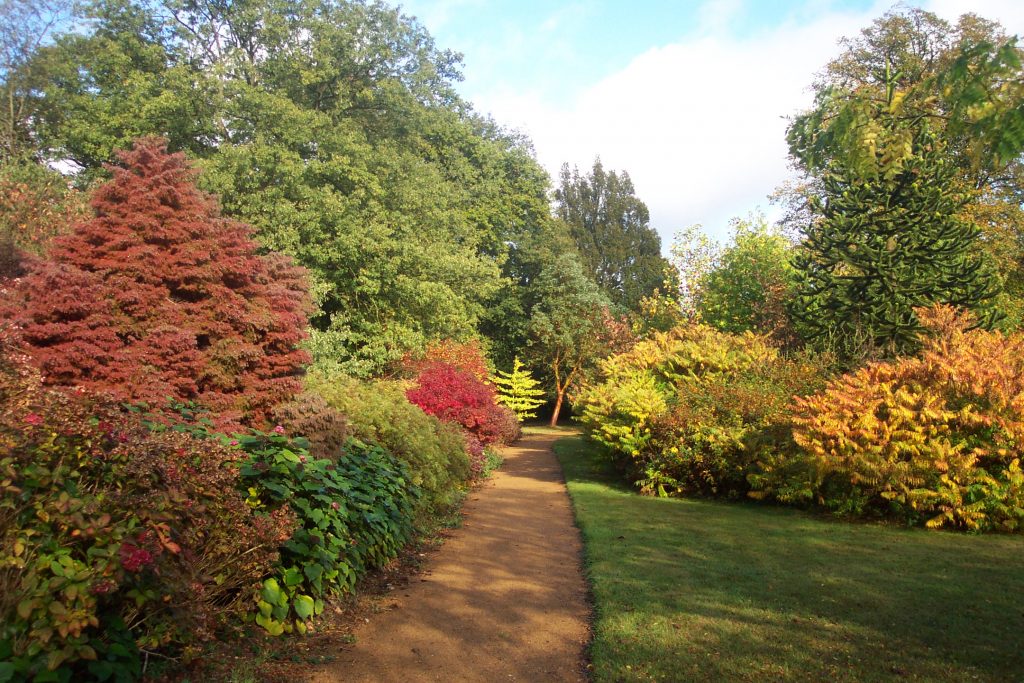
(934, 439)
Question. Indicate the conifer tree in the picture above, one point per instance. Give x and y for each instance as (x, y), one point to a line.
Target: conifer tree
(888, 242)
(158, 296)
(519, 391)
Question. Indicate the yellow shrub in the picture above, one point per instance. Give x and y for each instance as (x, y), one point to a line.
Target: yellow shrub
(935, 438)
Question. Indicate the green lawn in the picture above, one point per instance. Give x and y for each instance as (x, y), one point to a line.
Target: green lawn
(692, 590)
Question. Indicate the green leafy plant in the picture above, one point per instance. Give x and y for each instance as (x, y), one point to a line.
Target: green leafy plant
(354, 513)
(379, 413)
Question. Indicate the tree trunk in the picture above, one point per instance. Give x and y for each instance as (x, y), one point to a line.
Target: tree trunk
(558, 407)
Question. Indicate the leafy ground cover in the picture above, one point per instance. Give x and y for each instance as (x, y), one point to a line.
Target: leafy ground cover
(703, 590)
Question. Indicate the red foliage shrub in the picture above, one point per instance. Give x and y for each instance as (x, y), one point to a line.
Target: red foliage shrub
(159, 296)
(459, 397)
(466, 356)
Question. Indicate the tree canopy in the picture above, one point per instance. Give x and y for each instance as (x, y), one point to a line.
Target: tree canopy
(611, 229)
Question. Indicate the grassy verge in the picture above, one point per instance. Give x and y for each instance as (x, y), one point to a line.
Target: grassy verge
(691, 590)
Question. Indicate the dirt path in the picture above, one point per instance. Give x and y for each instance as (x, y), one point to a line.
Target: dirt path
(504, 598)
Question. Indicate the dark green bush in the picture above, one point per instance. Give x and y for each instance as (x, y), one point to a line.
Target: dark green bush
(379, 413)
(354, 513)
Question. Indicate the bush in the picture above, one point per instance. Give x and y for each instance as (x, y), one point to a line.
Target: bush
(934, 439)
(692, 409)
(466, 356)
(324, 426)
(354, 514)
(379, 413)
(461, 398)
(159, 296)
(114, 537)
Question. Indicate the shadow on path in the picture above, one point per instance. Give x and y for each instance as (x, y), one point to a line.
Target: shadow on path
(503, 600)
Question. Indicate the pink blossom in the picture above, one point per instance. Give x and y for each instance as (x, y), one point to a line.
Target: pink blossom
(234, 442)
(279, 429)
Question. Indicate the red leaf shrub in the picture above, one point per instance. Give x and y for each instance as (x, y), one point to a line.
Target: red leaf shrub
(159, 296)
(467, 356)
(458, 396)
(111, 533)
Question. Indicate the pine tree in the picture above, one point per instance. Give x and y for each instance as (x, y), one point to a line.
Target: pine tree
(519, 391)
(886, 243)
(158, 296)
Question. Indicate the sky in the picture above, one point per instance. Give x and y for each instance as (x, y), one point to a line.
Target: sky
(690, 98)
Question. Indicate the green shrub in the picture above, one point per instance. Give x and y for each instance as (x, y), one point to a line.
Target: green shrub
(114, 537)
(690, 410)
(354, 514)
(934, 439)
(378, 412)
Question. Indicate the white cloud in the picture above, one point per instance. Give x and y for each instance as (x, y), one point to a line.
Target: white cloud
(700, 124)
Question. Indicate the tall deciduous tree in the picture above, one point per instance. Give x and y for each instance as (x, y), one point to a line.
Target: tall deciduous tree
(158, 297)
(333, 128)
(610, 226)
(751, 283)
(571, 325)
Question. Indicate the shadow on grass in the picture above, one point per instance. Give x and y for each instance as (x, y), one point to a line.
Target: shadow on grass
(705, 590)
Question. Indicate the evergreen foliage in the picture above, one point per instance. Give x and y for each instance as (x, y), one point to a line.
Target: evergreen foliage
(518, 390)
(888, 243)
(610, 226)
(158, 296)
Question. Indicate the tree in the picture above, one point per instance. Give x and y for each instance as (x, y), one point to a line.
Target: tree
(333, 128)
(25, 26)
(964, 82)
(571, 325)
(518, 390)
(36, 205)
(751, 284)
(158, 296)
(887, 243)
(610, 226)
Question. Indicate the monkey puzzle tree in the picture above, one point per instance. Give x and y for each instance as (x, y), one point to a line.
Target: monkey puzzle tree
(889, 242)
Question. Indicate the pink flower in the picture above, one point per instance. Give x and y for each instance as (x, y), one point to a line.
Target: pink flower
(234, 442)
(302, 458)
(33, 419)
(335, 505)
(279, 429)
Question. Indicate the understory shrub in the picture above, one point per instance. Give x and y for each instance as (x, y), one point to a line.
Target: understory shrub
(692, 409)
(158, 295)
(115, 538)
(354, 511)
(379, 413)
(324, 426)
(934, 439)
(462, 398)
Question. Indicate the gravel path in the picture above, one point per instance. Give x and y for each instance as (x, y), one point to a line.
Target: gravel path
(503, 600)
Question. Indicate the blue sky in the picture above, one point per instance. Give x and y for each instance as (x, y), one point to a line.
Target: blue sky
(689, 97)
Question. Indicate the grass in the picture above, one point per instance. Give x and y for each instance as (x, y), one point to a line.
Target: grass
(697, 590)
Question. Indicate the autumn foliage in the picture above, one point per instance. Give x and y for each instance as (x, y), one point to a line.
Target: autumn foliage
(458, 396)
(934, 439)
(159, 296)
(114, 537)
